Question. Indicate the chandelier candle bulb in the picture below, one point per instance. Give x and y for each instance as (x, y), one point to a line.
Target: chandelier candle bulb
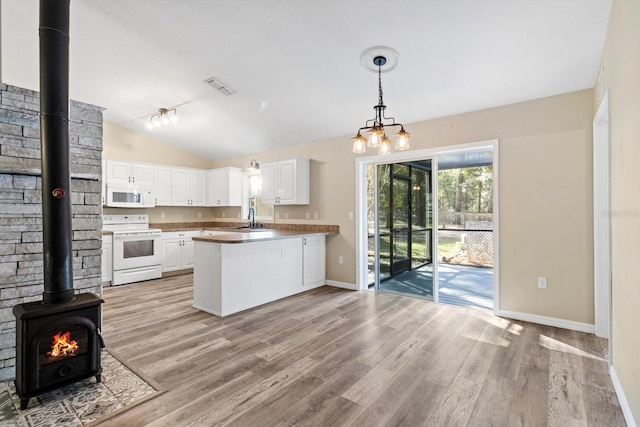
(402, 140)
(385, 147)
(375, 138)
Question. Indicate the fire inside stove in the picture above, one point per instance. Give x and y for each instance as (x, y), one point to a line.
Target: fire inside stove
(58, 345)
(63, 345)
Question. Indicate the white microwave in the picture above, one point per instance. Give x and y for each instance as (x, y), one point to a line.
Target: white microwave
(130, 197)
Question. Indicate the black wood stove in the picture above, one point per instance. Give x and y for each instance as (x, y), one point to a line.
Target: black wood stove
(56, 344)
(57, 339)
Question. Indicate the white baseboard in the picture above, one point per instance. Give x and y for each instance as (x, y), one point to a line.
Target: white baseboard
(549, 321)
(343, 285)
(624, 404)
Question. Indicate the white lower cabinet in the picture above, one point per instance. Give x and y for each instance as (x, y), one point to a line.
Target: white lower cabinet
(177, 250)
(107, 258)
(314, 260)
(231, 277)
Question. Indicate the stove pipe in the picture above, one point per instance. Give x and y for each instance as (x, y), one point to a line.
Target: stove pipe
(54, 143)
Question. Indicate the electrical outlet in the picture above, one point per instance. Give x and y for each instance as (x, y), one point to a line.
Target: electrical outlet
(286, 215)
(315, 215)
(350, 215)
(199, 214)
(307, 215)
(277, 215)
(340, 260)
(238, 215)
(162, 215)
(542, 282)
(223, 215)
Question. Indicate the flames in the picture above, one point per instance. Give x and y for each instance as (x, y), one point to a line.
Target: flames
(62, 345)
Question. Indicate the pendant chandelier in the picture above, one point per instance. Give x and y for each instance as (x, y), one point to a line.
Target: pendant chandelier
(377, 137)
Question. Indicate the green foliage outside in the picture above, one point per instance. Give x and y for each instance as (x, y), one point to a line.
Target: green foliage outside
(466, 190)
(462, 193)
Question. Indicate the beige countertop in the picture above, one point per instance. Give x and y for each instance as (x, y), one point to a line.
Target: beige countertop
(255, 236)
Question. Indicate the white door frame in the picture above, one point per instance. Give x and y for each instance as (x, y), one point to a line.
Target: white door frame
(406, 156)
(602, 219)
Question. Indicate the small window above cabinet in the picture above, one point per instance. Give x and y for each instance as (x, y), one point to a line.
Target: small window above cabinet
(285, 182)
(224, 187)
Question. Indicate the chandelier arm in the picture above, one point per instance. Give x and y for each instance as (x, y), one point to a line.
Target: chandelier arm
(393, 120)
(372, 121)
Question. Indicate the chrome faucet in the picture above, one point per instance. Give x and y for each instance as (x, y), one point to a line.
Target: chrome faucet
(252, 217)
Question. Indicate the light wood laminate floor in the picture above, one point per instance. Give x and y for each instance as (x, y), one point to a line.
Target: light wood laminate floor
(331, 357)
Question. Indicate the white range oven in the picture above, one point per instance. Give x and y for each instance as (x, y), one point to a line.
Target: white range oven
(136, 248)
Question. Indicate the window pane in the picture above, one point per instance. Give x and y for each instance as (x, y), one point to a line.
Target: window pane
(400, 203)
(385, 256)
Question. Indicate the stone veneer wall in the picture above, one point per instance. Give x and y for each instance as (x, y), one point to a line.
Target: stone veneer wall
(21, 266)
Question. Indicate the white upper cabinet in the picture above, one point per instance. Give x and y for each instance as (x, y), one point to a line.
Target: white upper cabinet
(198, 184)
(162, 178)
(188, 187)
(285, 182)
(120, 172)
(224, 187)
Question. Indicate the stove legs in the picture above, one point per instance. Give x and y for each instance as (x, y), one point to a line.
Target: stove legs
(99, 378)
(24, 403)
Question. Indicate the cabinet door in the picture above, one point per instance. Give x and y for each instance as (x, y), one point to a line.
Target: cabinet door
(162, 185)
(107, 262)
(314, 260)
(180, 180)
(118, 172)
(187, 253)
(215, 187)
(142, 175)
(268, 173)
(234, 187)
(222, 187)
(198, 188)
(287, 182)
(172, 254)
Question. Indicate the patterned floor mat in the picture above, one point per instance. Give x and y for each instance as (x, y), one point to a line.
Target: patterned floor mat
(79, 403)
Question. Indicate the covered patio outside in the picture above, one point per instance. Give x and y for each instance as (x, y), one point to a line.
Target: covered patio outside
(458, 284)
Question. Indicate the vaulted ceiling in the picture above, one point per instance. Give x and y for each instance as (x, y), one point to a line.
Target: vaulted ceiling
(295, 65)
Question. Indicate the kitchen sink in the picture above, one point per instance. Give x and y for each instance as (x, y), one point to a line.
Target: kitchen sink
(245, 229)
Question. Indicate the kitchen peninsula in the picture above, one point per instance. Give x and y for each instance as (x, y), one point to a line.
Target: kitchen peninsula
(235, 271)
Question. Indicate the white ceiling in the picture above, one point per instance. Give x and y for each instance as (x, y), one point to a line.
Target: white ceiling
(296, 64)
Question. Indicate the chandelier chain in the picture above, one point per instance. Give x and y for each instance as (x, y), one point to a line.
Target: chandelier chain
(380, 100)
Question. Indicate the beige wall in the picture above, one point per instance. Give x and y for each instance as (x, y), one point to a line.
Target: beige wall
(621, 62)
(125, 144)
(545, 195)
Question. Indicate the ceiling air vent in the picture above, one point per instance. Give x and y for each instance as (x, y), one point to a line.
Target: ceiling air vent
(219, 86)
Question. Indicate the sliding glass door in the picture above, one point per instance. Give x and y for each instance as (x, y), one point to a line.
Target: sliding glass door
(465, 228)
(400, 228)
